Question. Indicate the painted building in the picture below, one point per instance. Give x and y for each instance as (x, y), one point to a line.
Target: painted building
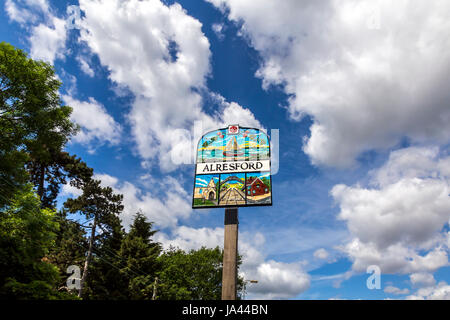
(207, 193)
(255, 187)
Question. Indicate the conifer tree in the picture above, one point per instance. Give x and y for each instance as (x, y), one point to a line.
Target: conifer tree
(68, 249)
(102, 206)
(140, 253)
(49, 175)
(106, 281)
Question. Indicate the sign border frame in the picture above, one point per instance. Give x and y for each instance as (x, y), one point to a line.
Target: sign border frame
(235, 206)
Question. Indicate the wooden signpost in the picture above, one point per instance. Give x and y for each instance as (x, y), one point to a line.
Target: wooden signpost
(232, 170)
(230, 252)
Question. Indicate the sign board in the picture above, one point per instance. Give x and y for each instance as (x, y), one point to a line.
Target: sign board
(233, 169)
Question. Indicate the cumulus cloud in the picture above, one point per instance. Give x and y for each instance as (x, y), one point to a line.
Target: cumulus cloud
(48, 40)
(26, 11)
(161, 55)
(366, 85)
(422, 279)
(321, 254)
(277, 280)
(439, 292)
(155, 51)
(397, 223)
(18, 14)
(97, 126)
(218, 29)
(396, 291)
(188, 238)
(396, 258)
(410, 163)
(71, 191)
(410, 210)
(85, 67)
(47, 32)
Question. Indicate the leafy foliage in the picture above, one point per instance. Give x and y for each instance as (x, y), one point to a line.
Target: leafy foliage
(27, 233)
(68, 246)
(35, 125)
(193, 275)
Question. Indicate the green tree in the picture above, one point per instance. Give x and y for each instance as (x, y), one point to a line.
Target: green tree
(193, 275)
(27, 233)
(55, 172)
(266, 181)
(68, 247)
(35, 125)
(140, 253)
(102, 206)
(106, 281)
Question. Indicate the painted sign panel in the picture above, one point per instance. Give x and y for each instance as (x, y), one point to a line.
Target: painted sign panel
(233, 169)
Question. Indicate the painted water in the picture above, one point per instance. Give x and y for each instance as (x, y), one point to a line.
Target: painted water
(216, 155)
(249, 144)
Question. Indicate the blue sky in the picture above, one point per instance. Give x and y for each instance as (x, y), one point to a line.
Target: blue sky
(357, 92)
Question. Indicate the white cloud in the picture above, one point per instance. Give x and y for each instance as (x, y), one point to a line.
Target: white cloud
(422, 279)
(161, 55)
(321, 254)
(413, 162)
(410, 210)
(188, 238)
(25, 11)
(85, 67)
(218, 29)
(48, 32)
(71, 191)
(439, 292)
(17, 14)
(398, 223)
(396, 258)
(95, 122)
(365, 88)
(396, 291)
(48, 41)
(277, 280)
(231, 113)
